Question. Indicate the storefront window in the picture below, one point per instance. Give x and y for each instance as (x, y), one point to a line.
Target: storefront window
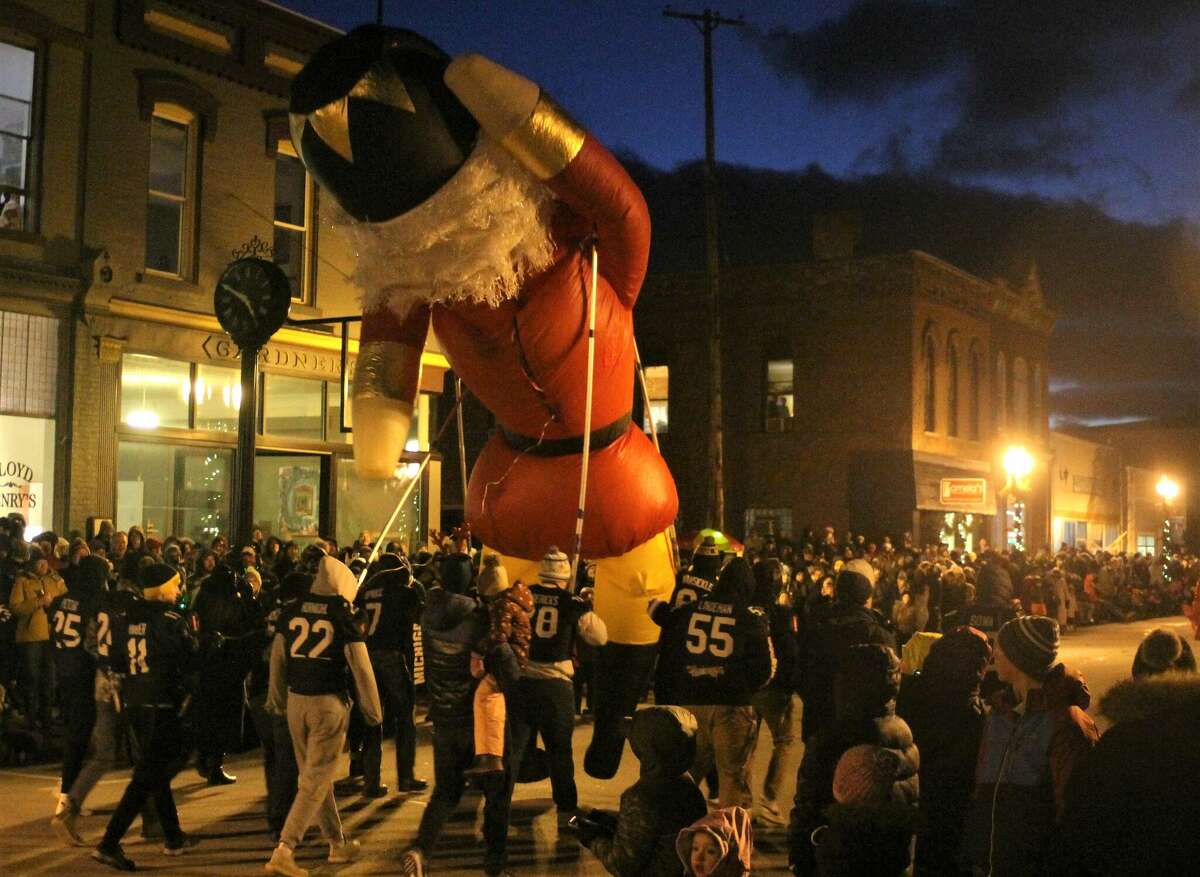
(287, 495)
(27, 471)
(154, 392)
(333, 414)
(218, 397)
(293, 407)
(173, 490)
(28, 364)
(367, 505)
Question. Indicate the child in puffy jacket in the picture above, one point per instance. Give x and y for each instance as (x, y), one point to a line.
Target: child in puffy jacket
(508, 616)
(720, 844)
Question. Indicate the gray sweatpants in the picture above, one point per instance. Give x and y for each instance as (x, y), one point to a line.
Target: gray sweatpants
(103, 752)
(318, 728)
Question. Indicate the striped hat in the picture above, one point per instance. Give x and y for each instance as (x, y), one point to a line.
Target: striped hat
(1030, 644)
(555, 566)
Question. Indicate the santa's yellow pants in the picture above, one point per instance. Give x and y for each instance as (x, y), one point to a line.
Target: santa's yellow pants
(625, 586)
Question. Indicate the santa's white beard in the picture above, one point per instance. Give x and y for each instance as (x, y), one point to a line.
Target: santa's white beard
(476, 239)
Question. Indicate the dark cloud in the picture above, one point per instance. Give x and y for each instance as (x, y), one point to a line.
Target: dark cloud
(1013, 68)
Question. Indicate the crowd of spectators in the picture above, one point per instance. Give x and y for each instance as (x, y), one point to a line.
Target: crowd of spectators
(907, 673)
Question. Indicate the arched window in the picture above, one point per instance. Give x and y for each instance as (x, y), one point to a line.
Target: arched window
(1035, 399)
(1001, 393)
(952, 389)
(975, 387)
(930, 400)
(1020, 394)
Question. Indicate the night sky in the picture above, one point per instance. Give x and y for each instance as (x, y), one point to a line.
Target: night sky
(1092, 103)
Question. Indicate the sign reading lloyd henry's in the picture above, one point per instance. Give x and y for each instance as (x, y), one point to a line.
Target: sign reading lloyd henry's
(18, 491)
(323, 365)
(963, 490)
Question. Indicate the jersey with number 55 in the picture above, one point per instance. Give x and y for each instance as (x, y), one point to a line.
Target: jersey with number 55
(713, 652)
(316, 631)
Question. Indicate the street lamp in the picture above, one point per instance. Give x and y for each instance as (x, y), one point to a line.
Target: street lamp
(1018, 466)
(1167, 489)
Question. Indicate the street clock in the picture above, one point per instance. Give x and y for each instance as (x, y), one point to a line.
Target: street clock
(252, 300)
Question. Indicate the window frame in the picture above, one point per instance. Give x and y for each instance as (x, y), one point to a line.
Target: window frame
(929, 384)
(188, 225)
(1001, 392)
(770, 418)
(308, 267)
(975, 388)
(31, 215)
(953, 397)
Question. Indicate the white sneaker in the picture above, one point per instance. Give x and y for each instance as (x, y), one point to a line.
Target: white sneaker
(412, 864)
(282, 863)
(346, 851)
(64, 803)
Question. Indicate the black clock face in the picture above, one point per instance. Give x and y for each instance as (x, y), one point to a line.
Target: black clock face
(252, 300)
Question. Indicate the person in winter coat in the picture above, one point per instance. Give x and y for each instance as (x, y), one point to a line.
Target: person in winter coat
(451, 624)
(1030, 748)
(508, 622)
(994, 588)
(1163, 651)
(869, 828)
(640, 840)
(776, 704)
(1130, 807)
(717, 654)
(829, 636)
(719, 844)
(943, 708)
(865, 692)
(35, 588)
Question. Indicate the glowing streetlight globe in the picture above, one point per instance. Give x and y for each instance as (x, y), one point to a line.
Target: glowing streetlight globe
(1018, 463)
(1167, 489)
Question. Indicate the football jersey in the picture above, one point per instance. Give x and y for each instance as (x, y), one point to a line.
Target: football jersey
(555, 613)
(153, 649)
(392, 605)
(316, 631)
(715, 653)
(69, 617)
(690, 587)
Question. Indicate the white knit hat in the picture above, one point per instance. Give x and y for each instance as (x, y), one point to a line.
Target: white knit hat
(555, 567)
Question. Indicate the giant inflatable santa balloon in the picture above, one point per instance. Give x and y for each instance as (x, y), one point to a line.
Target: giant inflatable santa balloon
(476, 203)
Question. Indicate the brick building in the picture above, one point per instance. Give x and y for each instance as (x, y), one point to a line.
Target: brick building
(142, 144)
(878, 394)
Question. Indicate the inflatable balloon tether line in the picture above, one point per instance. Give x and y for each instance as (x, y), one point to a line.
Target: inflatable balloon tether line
(587, 414)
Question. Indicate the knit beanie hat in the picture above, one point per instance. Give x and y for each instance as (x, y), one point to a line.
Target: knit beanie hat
(555, 567)
(855, 582)
(155, 578)
(1030, 643)
(493, 579)
(864, 775)
(1160, 650)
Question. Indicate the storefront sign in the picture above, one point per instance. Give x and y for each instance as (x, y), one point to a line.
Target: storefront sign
(27, 470)
(312, 363)
(963, 490)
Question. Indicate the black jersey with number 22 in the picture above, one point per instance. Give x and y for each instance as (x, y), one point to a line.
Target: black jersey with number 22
(316, 631)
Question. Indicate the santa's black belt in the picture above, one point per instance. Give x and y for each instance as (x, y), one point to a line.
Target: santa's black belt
(565, 447)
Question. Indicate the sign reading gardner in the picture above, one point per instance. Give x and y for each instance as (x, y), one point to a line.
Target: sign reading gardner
(964, 491)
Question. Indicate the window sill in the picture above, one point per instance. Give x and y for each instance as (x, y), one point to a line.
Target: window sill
(21, 236)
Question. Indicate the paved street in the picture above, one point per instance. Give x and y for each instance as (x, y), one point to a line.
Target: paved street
(230, 830)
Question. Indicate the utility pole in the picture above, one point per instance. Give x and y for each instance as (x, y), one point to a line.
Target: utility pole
(706, 22)
(379, 12)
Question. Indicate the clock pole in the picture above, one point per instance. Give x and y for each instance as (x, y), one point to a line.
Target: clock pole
(243, 466)
(251, 302)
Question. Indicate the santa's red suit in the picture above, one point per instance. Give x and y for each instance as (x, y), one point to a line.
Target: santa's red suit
(526, 361)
